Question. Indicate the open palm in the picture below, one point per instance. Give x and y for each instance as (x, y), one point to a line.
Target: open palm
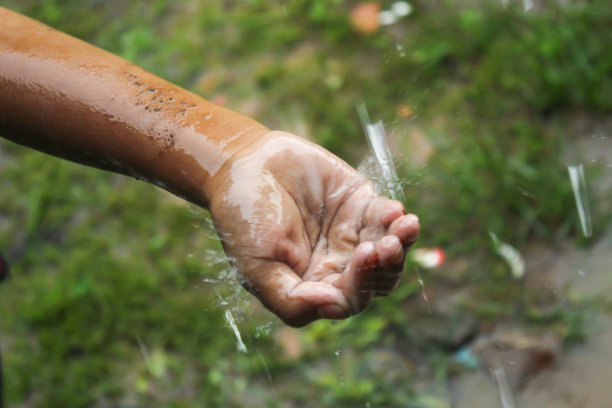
(309, 235)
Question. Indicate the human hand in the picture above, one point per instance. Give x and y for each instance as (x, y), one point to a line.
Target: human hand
(309, 235)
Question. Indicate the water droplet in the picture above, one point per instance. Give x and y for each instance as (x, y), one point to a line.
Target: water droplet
(387, 17)
(400, 50)
(423, 293)
(401, 8)
(578, 182)
(503, 387)
(264, 329)
(511, 255)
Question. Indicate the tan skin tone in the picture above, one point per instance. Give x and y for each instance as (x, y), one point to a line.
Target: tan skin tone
(308, 234)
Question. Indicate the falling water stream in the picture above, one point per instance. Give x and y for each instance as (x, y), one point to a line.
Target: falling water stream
(387, 182)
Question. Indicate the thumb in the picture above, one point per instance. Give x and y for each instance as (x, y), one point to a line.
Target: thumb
(295, 301)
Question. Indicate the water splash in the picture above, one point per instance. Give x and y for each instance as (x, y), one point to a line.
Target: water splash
(145, 354)
(226, 282)
(229, 317)
(400, 50)
(380, 169)
(265, 365)
(265, 328)
(423, 293)
(503, 387)
(232, 302)
(340, 376)
(377, 140)
(576, 174)
(511, 255)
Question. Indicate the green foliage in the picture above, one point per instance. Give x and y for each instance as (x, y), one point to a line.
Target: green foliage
(107, 301)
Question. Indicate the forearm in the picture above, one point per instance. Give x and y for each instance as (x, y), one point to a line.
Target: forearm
(65, 97)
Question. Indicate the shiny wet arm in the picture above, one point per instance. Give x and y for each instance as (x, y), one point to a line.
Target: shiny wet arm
(70, 99)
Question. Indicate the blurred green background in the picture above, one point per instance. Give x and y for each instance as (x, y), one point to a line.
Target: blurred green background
(119, 291)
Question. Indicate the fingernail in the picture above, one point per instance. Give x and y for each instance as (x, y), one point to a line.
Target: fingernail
(332, 312)
(389, 241)
(369, 247)
(411, 219)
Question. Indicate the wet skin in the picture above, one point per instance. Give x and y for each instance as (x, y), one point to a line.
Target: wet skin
(308, 234)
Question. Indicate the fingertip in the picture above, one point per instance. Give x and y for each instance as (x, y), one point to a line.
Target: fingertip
(366, 249)
(390, 211)
(334, 312)
(411, 219)
(406, 228)
(390, 250)
(389, 242)
(413, 228)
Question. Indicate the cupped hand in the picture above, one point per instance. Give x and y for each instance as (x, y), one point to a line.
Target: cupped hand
(309, 235)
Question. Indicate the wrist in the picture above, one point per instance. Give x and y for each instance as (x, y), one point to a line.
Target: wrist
(235, 146)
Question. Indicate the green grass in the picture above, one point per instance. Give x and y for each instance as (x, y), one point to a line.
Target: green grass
(103, 264)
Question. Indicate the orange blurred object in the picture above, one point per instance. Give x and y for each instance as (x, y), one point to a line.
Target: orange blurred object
(289, 339)
(364, 17)
(421, 147)
(404, 111)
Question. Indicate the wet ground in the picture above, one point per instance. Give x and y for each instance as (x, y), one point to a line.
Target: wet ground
(580, 376)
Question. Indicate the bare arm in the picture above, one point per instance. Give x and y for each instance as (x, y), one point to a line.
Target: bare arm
(70, 99)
